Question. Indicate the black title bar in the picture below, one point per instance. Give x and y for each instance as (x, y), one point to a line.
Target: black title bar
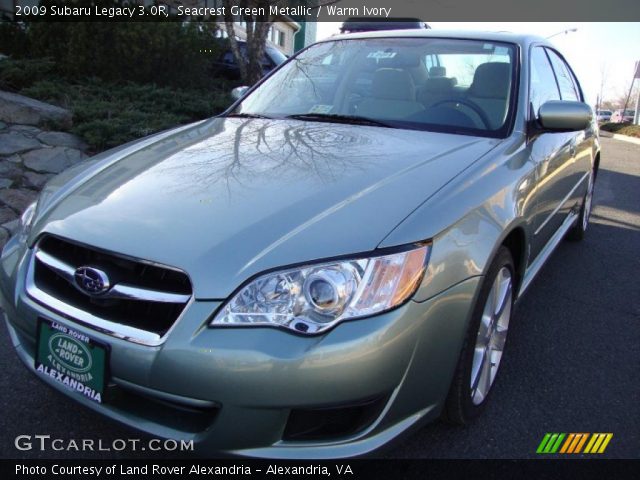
(330, 10)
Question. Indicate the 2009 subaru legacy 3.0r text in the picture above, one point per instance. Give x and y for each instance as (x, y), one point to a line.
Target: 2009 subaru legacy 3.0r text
(328, 264)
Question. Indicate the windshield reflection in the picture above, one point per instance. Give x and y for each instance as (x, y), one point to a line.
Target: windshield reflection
(443, 85)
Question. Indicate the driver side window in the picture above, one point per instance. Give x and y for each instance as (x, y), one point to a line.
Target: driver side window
(543, 86)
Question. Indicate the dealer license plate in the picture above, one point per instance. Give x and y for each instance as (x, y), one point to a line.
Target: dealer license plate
(72, 358)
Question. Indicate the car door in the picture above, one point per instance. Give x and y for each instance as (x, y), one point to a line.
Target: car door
(554, 154)
(580, 142)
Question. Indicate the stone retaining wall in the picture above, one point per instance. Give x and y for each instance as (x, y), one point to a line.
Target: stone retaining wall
(30, 154)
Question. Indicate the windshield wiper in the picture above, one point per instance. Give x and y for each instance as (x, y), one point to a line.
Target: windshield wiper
(246, 115)
(336, 118)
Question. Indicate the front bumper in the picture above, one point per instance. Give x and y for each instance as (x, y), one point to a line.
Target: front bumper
(232, 390)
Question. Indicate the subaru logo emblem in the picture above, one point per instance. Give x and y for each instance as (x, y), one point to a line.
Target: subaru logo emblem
(91, 280)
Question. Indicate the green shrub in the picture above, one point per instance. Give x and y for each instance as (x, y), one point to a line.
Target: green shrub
(18, 74)
(107, 114)
(13, 39)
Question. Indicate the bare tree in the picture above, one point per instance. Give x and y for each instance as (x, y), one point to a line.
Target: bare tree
(250, 152)
(603, 81)
(257, 28)
(623, 95)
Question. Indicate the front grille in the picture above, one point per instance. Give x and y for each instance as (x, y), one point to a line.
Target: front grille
(143, 314)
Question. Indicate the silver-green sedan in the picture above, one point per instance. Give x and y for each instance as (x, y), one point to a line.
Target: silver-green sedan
(330, 263)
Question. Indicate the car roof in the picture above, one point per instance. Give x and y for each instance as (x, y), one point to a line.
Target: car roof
(508, 37)
(365, 24)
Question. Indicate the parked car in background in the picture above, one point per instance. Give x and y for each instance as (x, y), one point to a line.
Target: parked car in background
(620, 116)
(604, 115)
(328, 264)
(227, 66)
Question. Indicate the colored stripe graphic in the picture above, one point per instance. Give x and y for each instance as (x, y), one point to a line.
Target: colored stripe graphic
(543, 443)
(556, 445)
(581, 442)
(566, 445)
(573, 443)
(550, 443)
(598, 442)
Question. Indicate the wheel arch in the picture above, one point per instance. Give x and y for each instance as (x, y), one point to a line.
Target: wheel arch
(516, 242)
(596, 165)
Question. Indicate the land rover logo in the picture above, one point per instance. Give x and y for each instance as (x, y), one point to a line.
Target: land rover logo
(91, 280)
(70, 353)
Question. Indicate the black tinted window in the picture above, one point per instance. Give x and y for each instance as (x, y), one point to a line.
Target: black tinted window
(543, 83)
(568, 89)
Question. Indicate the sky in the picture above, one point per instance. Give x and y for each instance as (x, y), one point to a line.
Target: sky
(606, 50)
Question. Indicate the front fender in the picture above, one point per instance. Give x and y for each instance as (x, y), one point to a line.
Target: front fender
(470, 217)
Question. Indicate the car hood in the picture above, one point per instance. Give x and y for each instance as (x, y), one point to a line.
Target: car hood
(230, 197)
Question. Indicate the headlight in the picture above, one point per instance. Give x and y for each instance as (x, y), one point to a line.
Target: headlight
(313, 298)
(26, 220)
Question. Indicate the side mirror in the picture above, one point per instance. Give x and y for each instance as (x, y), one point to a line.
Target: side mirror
(238, 92)
(564, 116)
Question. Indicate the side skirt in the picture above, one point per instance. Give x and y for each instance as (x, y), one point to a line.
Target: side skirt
(546, 252)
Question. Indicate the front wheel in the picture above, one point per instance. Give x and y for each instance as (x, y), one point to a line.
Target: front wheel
(484, 344)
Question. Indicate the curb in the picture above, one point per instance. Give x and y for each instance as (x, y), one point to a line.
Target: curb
(626, 138)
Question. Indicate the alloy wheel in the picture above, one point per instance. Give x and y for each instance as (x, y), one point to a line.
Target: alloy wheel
(491, 336)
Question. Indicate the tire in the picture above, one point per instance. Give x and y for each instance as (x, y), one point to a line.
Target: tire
(484, 344)
(577, 232)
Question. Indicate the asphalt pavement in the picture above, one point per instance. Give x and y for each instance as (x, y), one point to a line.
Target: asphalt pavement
(572, 362)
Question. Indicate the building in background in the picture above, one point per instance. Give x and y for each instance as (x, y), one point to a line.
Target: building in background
(306, 35)
(282, 34)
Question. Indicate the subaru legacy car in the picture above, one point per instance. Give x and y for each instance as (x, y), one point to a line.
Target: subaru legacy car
(332, 262)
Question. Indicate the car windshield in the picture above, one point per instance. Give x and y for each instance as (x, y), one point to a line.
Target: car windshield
(436, 84)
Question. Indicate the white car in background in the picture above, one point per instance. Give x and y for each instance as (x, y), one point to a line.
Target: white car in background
(623, 116)
(604, 115)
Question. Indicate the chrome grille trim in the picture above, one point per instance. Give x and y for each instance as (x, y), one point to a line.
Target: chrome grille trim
(119, 290)
(124, 292)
